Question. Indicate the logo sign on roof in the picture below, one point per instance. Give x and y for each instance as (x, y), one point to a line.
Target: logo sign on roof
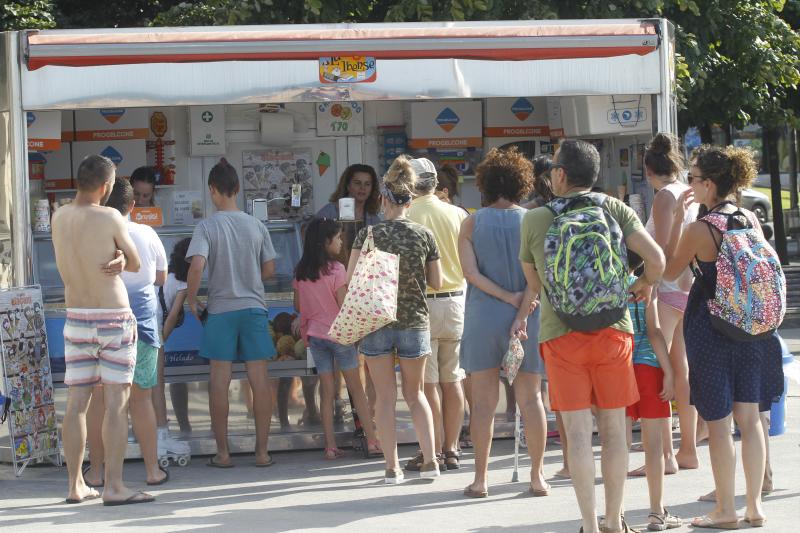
(111, 153)
(447, 119)
(112, 115)
(522, 108)
(627, 117)
(347, 69)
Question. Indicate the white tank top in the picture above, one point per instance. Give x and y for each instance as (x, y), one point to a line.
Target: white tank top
(676, 188)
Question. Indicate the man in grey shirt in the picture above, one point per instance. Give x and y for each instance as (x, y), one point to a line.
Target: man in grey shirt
(240, 256)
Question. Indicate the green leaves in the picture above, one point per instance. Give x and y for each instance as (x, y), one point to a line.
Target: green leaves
(35, 14)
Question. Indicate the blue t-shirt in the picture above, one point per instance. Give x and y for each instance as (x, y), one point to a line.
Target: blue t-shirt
(643, 353)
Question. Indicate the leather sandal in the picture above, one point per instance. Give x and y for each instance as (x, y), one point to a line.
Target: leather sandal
(451, 460)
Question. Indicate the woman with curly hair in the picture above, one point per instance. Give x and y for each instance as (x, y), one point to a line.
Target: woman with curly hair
(489, 245)
(728, 378)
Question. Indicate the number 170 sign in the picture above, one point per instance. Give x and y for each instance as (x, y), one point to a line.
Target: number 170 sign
(340, 118)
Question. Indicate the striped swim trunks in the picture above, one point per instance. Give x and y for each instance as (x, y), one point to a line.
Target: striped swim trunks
(99, 346)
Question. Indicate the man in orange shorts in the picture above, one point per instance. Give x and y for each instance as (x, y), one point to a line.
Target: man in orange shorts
(589, 368)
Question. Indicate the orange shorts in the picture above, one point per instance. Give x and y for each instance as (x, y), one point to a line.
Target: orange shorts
(590, 368)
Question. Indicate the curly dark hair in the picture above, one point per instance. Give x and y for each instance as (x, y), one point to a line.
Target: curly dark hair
(730, 168)
(504, 174)
(177, 259)
(373, 204)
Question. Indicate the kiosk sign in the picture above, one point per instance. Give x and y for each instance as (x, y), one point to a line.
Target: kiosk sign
(347, 69)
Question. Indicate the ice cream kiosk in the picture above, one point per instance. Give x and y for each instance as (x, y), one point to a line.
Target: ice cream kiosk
(290, 107)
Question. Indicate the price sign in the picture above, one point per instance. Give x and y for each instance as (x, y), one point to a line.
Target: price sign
(340, 118)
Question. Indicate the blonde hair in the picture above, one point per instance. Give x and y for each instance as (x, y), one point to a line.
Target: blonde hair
(400, 179)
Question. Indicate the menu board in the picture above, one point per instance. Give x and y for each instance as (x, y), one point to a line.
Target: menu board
(274, 175)
(27, 378)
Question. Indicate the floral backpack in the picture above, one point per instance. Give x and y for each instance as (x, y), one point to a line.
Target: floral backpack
(749, 301)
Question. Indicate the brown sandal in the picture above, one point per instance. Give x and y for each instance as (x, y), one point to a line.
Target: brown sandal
(451, 461)
(471, 493)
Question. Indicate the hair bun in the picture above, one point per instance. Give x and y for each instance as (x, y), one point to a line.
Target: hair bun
(224, 162)
(661, 143)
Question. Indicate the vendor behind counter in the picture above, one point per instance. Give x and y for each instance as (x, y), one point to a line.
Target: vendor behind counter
(359, 182)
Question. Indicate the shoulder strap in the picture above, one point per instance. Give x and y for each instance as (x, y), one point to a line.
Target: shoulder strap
(560, 205)
(369, 242)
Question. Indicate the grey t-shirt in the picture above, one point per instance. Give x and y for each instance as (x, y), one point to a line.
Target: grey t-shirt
(235, 246)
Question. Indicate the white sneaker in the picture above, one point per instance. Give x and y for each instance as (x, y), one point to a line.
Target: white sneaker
(167, 445)
(394, 477)
(430, 469)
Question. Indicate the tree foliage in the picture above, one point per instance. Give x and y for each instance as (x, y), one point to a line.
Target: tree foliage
(738, 60)
(36, 14)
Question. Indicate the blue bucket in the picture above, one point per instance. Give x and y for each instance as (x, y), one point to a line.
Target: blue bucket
(777, 423)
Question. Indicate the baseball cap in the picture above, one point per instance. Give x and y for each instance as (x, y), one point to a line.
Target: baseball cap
(425, 170)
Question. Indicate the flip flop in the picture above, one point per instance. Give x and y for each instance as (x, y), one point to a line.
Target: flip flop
(131, 500)
(538, 493)
(85, 469)
(164, 480)
(267, 464)
(86, 498)
(212, 463)
(706, 522)
(469, 492)
(639, 472)
(755, 522)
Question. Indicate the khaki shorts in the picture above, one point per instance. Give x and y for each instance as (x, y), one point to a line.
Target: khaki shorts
(447, 326)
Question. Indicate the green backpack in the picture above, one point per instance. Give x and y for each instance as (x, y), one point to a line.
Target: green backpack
(586, 263)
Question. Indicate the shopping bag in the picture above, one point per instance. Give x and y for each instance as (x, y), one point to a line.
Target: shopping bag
(371, 299)
(512, 360)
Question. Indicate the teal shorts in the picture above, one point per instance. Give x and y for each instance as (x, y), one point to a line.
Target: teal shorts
(237, 335)
(145, 375)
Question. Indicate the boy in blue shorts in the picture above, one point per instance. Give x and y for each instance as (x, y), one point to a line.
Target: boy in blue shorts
(654, 380)
(240, 256)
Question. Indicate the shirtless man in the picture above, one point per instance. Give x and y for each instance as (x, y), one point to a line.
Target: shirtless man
(100, 331)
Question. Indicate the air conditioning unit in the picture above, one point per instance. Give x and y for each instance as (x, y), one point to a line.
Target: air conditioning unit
(583, 116)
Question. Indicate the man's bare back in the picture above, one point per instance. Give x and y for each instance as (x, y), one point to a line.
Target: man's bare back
(86, 237)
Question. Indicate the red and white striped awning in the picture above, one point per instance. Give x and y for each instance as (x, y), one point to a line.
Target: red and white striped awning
(500, 41)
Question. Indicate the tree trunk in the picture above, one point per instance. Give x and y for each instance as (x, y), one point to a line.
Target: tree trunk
(793, 167)
(771, 136)
(728, 129)
(705, 133)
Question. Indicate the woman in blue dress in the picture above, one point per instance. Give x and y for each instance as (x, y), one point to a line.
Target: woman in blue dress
(489, 245)
(727, 378)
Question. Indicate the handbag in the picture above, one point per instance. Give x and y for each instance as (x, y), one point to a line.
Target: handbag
(512, 360)
(371, 299)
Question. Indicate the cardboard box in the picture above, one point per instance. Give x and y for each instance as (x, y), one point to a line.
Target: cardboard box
(54, 167)
(111, 124)
(207, 130)
(44, 130)
(446, 124)
(516, 117)
(127, 155)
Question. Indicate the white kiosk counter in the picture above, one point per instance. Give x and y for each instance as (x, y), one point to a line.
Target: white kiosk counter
(293, 106)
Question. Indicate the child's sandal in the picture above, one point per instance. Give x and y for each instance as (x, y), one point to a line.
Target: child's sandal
(333, 453)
